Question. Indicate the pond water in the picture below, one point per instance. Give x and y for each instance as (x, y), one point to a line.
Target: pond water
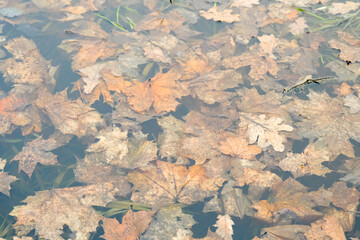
(182, 119)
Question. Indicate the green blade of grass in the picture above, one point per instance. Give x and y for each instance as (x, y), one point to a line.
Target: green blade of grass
(312, 14)
(110, 21)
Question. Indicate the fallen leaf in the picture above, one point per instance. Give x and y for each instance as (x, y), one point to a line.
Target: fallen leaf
(167, 183)
(132, 226)
(224, 227)
(221, 16)
(320, 116)
(48, 211)
(342, 8)
(238, 145)
(69, 116)
(37, 151)
(343, 196)
(160, 92)
(167, 223)
(265, 131)
(245, 3)
(256, 177)
(51, 4)
(343, 89)
(308, 162)
(298, 27)
(353, 102)
(289, 196)
(347, 53)
(328, 227)
(5, 181)
(294, 232)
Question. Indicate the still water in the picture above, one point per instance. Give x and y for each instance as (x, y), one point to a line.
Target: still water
(180, 119)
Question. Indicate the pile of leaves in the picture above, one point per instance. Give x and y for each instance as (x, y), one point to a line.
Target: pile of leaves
(242, 107)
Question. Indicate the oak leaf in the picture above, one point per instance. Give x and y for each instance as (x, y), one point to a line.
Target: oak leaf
(167, 183)
(48, 211)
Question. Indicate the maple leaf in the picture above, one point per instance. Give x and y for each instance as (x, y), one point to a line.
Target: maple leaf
(116, 148)
(328, 227)
(27, 66)
(5, 181)
(132, 226)
(224, 227)
(290, 195)
(237, 145)
(308, 162)
(348, 53)
(222, 16)
(160, 92)
(168, 223)
(48, 211)
(265, 131)
(37, 151)
(69, 116)
(167, 183)
(321, 115)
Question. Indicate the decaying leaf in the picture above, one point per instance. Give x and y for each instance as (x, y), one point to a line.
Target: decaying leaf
(308, 162)
(348, 53)
(48, 211)
(224, 227)
(132, 226)
(265, 130)
(222, 16)
(5, 181)
(294, 232)
(342, 8)
(37, 151)
(70, 117)
(166, 183)
(168, 222)
(328, 227)
(322, 118)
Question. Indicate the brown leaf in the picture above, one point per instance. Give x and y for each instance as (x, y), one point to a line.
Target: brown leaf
(224, 227)
(348, 53)
(326, 228)
(5, 181)
(308, 162)
(48, 211)
(167, 183)
(69, 116)
(342, 8)
(344, 196)
(160, 92)
(290, 196)
(238, 145)
(37, 151)
(132, 226)
(294, 232)
(222, 16)
(320, 116)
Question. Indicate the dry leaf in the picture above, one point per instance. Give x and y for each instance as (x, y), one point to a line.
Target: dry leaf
(37, 151)
(265, 131)
(353, 102)
(132, 226)
(293, 232)
(5, 181)
(245, 3)
(322, 115)
(290, 196)
(224, 227)
(343, 90)
(167, 183)
(69, 116)
(160, 92)
(221, 16)
(298, 27)
(237, 145)
(342, 8)
(48, 211)
(167, 223)
(308, 162)
(326, 228)
(257, 178)
(348, 53)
